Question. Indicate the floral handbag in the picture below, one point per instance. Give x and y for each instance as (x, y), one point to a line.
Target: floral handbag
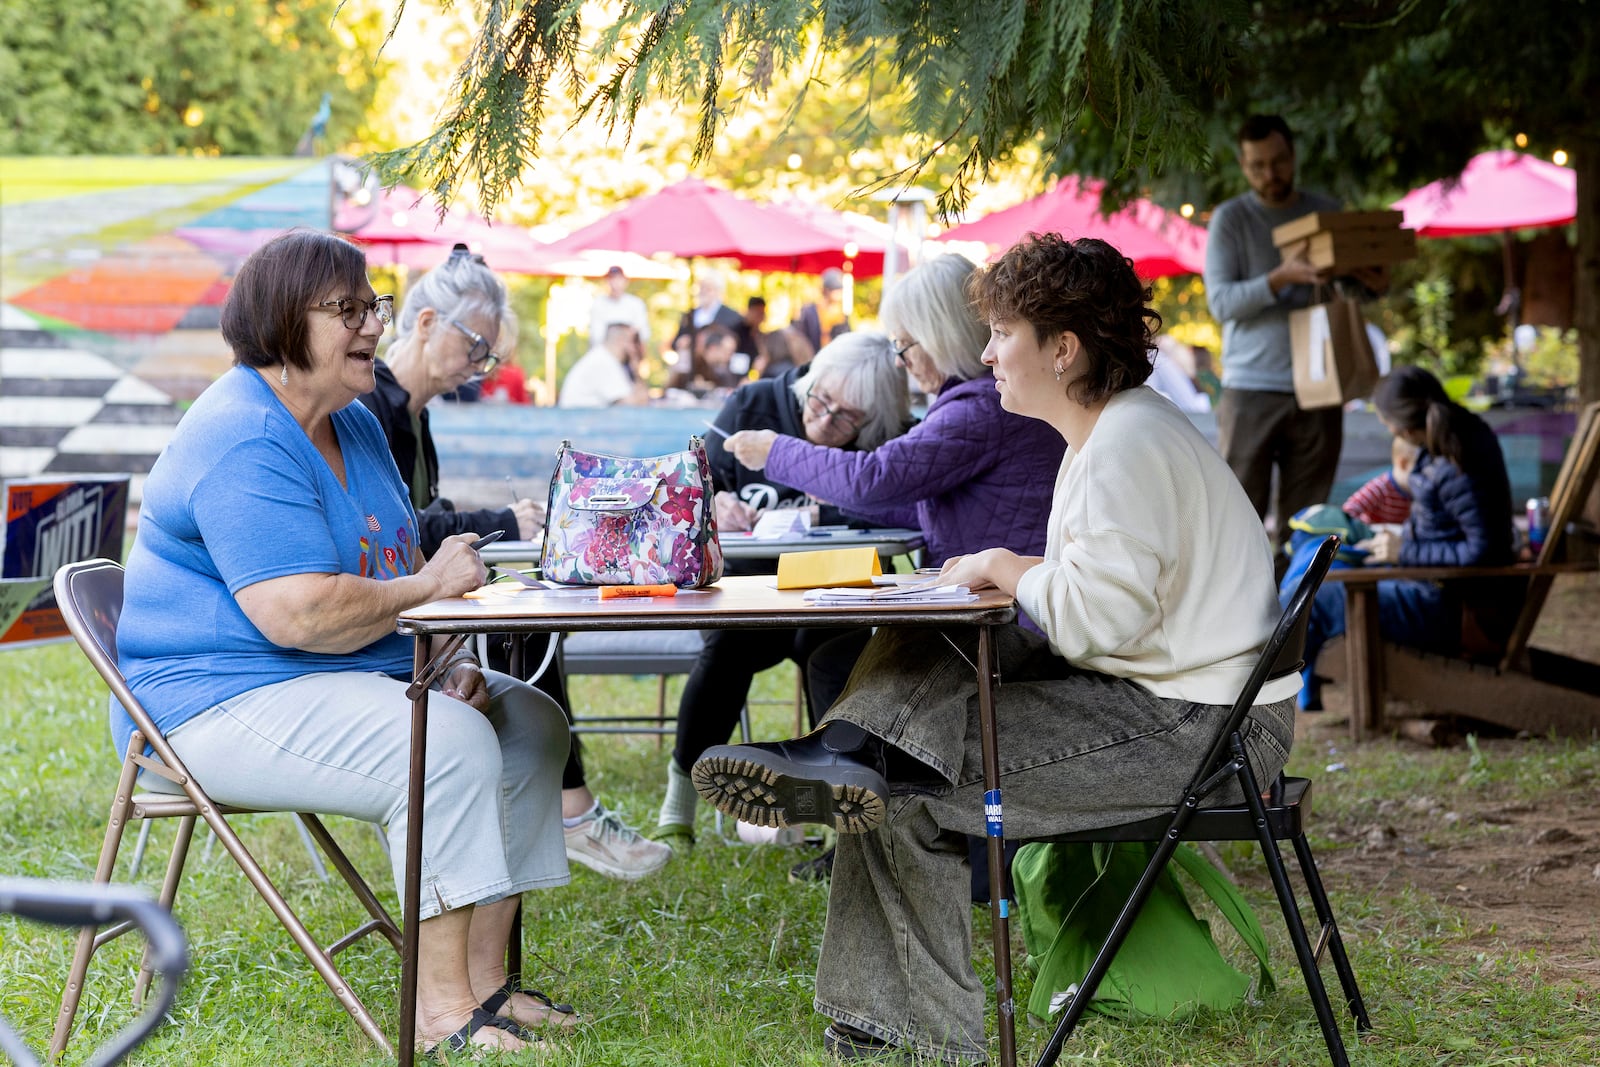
(617, 521)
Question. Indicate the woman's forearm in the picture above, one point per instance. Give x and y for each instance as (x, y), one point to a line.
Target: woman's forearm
(332, 613)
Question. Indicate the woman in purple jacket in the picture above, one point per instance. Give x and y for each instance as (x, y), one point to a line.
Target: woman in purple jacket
(970, 475)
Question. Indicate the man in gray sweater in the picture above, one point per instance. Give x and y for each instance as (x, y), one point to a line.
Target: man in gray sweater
(1251, 290)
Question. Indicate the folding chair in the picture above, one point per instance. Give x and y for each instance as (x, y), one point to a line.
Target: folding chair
(1278, 815)
(89, 595)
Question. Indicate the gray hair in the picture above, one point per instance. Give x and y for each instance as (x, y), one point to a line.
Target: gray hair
(461, 287)
(869, 380)
(929, 305)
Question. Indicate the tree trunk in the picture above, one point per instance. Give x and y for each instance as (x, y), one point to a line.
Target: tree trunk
(1586, 299)
(1586, 303)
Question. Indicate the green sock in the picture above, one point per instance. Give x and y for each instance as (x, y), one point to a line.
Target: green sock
(677, 807)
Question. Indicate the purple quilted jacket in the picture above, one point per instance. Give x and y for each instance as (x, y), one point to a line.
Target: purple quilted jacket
(970, 475)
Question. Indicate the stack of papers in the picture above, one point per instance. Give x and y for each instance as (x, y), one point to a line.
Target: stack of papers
(920, 593)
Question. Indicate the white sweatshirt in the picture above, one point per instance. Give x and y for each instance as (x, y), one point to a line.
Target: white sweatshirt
(1157, 569)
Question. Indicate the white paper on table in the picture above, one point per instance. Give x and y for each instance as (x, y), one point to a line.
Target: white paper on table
(922, 593)
(781, 522)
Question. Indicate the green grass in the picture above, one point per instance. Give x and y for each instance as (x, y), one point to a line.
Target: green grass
(711, 962)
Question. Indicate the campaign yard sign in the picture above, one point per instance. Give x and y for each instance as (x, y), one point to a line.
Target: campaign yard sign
(51, 521)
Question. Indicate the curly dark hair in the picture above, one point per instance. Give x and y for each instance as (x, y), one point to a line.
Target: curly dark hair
(1086, 287)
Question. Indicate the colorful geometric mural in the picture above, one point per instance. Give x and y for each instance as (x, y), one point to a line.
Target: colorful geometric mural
(112, 271)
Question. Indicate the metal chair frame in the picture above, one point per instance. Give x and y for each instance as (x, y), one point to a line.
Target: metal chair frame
(89, 595)
(1277, 815)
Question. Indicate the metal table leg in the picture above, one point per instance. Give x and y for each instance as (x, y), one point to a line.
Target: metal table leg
(999, 907)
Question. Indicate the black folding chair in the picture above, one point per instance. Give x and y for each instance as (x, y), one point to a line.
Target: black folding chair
(1277, 815)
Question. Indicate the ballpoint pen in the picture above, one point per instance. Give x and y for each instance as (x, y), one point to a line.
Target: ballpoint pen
(512, 486)
(488, 539)
(714, 428)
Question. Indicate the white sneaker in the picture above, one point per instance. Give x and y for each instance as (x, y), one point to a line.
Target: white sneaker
(603, 842)
(751, 834)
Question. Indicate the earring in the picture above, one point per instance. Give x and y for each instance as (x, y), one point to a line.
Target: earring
(1058, 372)
(283, 379)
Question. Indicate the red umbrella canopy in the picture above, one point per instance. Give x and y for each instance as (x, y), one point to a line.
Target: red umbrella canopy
(695, 218)
(1159, 242)
(1502, 190)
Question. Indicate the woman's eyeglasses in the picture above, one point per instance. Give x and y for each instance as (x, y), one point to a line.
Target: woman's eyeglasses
(479, 355)
(819, 407)
(900, 349)
(354, 312)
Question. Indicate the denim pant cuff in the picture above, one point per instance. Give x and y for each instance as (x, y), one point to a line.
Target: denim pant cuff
(922, 1053)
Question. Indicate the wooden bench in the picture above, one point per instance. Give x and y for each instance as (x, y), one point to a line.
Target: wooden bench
(1521, 687)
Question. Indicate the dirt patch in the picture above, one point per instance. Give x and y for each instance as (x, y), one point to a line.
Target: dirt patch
(1521, 864)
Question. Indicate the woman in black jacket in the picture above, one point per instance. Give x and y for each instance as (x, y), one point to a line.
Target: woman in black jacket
(1460, 517)
(852, 395)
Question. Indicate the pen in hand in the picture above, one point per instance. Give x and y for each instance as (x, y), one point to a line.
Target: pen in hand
(510, 485)
(714, 428)
(488, 538)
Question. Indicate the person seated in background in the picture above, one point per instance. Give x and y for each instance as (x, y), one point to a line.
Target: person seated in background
(1460, 517)
(276, 546)
(603, 376)
(710, 367)
(445, 336)
(853, 396)
(507, 385)
(1155, 598)
(786, 348)
(1386, 499)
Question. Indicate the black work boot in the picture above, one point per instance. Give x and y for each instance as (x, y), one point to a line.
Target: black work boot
(833, 775)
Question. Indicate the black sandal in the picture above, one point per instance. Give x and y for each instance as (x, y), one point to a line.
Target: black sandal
(480, 1019)
(498, 998)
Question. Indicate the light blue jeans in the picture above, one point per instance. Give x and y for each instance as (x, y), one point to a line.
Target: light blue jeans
(1077, 750)
(340, 744)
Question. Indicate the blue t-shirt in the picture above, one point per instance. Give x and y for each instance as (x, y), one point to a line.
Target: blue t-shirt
(241, 495)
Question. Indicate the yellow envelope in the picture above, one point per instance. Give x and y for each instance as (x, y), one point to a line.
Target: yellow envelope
(833, 566)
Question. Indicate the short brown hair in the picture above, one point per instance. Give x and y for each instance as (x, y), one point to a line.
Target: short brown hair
(1086, 287)
(264, 314)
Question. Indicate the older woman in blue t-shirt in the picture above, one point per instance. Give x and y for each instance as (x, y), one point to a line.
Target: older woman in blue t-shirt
(276, 545)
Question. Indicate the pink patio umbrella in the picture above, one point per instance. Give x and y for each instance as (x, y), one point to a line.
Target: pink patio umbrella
(1497, 191)
(1159, 242)
(694, 218)
(400, 228)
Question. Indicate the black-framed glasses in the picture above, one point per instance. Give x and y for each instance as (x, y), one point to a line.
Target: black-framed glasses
(900, 349)
(850, 420)
(480, 355)
(353, 312)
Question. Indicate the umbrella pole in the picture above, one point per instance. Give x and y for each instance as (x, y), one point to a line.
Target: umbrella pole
(549, 353)
(1511, 298)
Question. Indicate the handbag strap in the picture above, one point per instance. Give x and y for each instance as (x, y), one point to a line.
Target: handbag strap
(1228, 901)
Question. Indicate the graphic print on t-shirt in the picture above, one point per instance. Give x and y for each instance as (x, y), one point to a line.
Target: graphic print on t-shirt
(383, 562)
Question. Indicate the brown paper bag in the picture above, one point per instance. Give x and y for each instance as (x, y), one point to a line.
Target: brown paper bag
(1333, 360)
